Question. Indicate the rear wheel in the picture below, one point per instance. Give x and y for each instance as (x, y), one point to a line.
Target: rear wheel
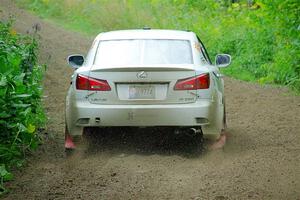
(214, 137)
(88, 133)
(224, 119)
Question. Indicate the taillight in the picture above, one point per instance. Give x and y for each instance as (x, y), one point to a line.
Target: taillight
(193, 83)
(88, 83)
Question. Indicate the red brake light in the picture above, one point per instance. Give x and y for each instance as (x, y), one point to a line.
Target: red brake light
(87, 83)
(82, 82)
(193, 83)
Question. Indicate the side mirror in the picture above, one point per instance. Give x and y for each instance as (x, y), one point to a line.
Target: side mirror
(75, 61)
(223, 60)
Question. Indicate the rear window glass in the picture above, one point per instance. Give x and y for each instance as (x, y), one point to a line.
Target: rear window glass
(143, 52)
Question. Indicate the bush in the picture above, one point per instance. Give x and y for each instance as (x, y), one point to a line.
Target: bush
(21, 112)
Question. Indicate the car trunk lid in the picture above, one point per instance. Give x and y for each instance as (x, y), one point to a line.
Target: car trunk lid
(142, 85)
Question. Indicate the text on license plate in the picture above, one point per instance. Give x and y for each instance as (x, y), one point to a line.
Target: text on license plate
(141, 92)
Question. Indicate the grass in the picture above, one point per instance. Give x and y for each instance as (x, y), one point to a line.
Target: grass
(263, 38)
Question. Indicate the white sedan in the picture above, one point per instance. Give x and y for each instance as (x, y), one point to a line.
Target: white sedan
(146, 78)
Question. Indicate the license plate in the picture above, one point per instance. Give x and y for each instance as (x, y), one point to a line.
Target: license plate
(141, 92)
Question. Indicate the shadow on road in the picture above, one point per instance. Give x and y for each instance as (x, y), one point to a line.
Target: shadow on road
(143, 141)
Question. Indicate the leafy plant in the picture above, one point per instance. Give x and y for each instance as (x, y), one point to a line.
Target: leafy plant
(21, 112)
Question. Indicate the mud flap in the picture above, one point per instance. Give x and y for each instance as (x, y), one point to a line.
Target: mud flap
(69, 144)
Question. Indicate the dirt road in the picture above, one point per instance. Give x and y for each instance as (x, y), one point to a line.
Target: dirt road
(261, 159)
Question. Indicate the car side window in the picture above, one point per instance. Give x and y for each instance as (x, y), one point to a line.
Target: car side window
(204, 51)
(90, 55)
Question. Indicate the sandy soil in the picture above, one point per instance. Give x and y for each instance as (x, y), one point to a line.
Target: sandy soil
(261, 159)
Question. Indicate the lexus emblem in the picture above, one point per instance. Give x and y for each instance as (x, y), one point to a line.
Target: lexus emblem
(142, 74)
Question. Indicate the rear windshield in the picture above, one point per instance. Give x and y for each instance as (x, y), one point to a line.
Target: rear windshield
(143, 52)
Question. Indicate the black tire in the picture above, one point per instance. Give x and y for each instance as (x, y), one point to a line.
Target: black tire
(224, 119)
(69, 152)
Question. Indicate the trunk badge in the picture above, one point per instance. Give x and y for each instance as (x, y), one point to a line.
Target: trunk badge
(142, 74)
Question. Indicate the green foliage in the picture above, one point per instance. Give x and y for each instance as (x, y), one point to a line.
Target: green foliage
(21, 111)
(262, 36)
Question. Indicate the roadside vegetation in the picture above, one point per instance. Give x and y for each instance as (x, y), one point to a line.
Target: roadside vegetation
(21, 112)
(262, 36)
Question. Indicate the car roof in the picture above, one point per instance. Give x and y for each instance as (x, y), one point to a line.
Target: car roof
(146, 34)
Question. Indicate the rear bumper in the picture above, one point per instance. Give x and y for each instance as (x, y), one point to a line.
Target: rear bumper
(85, 114)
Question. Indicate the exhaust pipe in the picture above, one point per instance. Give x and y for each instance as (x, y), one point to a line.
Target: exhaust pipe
(193, 132)
(189, 131)
(197, 131)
